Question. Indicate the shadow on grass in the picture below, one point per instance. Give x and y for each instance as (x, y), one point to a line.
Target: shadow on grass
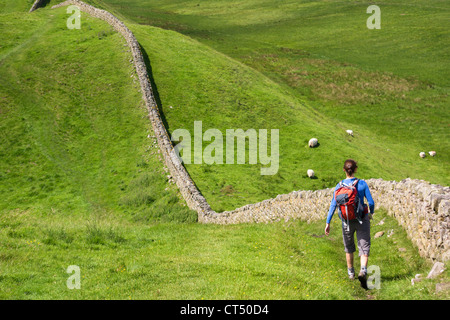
(157, 97)
(154, 87)
(44, 3)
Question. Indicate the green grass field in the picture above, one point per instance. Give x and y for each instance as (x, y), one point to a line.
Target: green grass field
(83, 184)
(123, 259)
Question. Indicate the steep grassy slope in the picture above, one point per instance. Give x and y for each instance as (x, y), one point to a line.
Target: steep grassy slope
(73, 126)
(81, 185)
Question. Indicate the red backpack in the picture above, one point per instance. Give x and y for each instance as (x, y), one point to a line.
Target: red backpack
(347, 198)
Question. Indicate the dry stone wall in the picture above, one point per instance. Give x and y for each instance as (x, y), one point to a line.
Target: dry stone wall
(420, 207)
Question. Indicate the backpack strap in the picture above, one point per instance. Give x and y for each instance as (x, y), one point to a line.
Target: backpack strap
(341, 183)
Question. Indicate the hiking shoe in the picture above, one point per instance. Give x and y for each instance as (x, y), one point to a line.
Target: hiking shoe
(362, 277)
(351, 273)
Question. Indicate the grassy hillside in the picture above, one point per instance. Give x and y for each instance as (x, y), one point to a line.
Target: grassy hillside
(74, 129)
(389, 85)
(412, 40)
(82, 184)
(196, 83)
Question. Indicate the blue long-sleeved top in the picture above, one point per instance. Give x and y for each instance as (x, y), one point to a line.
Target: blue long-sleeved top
(363, 191)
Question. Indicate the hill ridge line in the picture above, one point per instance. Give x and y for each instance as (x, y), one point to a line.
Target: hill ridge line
(416, 204)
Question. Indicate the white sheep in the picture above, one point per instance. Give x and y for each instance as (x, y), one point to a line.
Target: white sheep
(422, 154)
(350, 132)
(310, 173)
(313, 143)
(432, 153)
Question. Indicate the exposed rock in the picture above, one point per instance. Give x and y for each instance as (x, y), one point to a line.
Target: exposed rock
(437, 269)
(378, 234)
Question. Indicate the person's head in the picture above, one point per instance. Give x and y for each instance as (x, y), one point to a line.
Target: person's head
(350, 167)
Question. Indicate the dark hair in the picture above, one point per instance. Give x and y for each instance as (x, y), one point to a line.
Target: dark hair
(350, 166)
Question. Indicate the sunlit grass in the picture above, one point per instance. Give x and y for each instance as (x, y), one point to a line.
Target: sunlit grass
(122, 259)
(82, 182)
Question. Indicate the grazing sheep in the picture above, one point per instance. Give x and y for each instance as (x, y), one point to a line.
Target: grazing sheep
(310, 173)
(313, 143)
(432, 153)
(422, 154)
(350, 132)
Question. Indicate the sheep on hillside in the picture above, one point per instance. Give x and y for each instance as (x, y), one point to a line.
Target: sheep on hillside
(313, 143)
(310, 173)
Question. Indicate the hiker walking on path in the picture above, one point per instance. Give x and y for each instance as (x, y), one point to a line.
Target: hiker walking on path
(348, 197)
